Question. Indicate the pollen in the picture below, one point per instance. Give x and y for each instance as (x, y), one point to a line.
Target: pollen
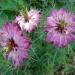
(10, 46)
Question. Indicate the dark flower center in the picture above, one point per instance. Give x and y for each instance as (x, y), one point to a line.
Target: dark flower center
(10, 45)
(26, 18)
(25, 14)
(61, 26)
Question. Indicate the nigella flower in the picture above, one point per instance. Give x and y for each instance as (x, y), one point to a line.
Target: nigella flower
(60, 27)
(15, 45)
(28, 20)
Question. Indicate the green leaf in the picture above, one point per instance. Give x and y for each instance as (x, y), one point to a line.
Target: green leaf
(8, 5)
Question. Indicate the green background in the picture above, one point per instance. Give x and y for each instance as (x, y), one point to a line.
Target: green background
(44, 58)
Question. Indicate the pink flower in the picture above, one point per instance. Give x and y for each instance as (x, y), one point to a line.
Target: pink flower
(28, 20)
(60, 27)
(14, 43)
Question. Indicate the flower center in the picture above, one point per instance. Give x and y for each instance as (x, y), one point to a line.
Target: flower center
(25, 15)
(26, 18)
(61, 26)
(10, 45)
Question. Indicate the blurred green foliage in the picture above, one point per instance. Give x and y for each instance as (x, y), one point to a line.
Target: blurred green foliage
(44, 58)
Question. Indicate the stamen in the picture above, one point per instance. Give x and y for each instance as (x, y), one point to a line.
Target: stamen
(10, 45)
(6, 49)
(25, 14)
(61, 26)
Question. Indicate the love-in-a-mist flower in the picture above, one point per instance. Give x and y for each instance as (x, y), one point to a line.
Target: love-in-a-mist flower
(14, 44)
(28, 20)
(60, 26)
